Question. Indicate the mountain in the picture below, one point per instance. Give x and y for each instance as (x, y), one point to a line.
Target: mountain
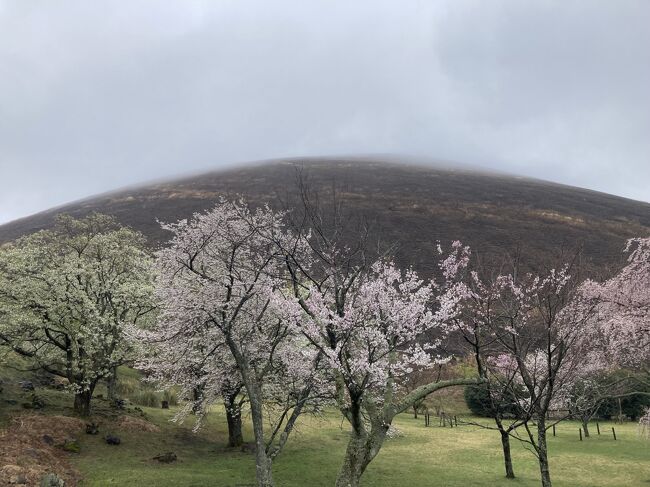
(414, 205)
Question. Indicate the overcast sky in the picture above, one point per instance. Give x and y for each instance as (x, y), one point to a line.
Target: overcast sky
(95, 95)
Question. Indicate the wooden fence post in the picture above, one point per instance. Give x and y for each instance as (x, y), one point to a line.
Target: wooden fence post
(597, 427)
(614, 433)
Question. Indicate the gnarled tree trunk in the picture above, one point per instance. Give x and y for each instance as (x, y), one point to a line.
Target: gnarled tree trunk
(364, 445)
(263, 462)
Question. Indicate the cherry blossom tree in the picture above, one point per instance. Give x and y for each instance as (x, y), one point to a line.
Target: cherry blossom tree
(590, 391)
(526, 332)
(540, 331)
(621, 326)
(585, 399)
(371, 343)
(475, 291)
(68, 295)
(219, 322)
(622, 322)
(184, 358)
(370, 321)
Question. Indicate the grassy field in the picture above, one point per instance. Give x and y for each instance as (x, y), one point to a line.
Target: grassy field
(450, 457)
(464, 456)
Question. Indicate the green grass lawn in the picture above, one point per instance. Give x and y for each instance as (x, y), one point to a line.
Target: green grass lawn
(460, 457)
(434, 456)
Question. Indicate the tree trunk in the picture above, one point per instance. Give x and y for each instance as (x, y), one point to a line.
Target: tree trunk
(415, 411)
(505, 444)
(263, 467)
(263, 463)
(354, 463)
(197, 394)
(233, 416)
(361, 450)
(542, 453)
(507, 457)
(585, 427)
(82, 402)
(111, 385)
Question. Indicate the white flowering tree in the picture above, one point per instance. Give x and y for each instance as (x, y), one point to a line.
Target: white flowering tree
(67, 296)
(185, 358)
(219, 323)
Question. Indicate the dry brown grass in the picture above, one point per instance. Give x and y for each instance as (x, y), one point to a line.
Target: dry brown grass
(30, 446)
(26, 456)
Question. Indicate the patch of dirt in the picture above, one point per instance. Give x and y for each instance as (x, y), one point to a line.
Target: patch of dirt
(131, 423)
(28, 449)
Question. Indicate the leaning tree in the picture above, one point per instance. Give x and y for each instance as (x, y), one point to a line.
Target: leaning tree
(68, 296)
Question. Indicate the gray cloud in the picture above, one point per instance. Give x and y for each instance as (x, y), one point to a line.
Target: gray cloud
(96, 95)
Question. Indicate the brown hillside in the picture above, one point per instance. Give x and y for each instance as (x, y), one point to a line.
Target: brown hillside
(413, 205)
